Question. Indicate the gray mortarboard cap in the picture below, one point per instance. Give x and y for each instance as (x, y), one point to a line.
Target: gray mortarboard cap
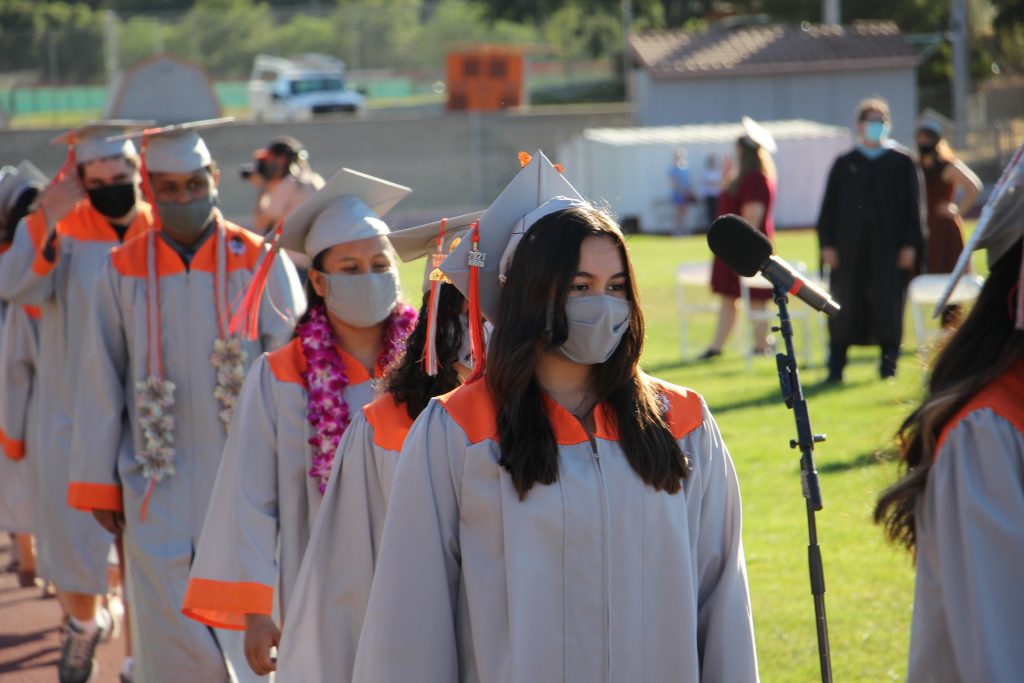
(92, 140)
(177, 148)
(1000, 227)
(414, 243)
(758, 134)
(15, 180)
(535, 184)
(347, 208)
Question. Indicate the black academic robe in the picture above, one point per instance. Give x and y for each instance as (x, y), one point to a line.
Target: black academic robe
(871, 209)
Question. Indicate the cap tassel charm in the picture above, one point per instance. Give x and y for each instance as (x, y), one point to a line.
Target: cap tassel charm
(476, 259)
(430, 362)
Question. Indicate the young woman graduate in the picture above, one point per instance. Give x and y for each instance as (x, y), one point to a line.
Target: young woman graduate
(960, 507)
(294, 408)
(326, 612)
(566, 517)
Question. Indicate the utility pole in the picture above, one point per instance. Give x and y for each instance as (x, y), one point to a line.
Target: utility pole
(112, 52)
(959, 30)
(627, 58)
(830, 13)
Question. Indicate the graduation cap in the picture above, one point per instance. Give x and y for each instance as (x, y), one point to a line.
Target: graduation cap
(92, 140)
(758, 135)
(348, 208)
(474, 267)
(174, 149)
(14, 180)
(1000, 227)
(435, 240)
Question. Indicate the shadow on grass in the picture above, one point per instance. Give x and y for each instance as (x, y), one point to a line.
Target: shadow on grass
(775, 397)
(868, 459)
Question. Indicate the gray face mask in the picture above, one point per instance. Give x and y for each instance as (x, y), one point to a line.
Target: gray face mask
(596, 326)
(362, 300)
(190, 218)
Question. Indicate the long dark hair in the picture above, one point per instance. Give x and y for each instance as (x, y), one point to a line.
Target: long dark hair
(543, 270)
(406, 380)
(984, 347)
(313, 298)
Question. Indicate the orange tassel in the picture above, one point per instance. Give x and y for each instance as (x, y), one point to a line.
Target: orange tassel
(524, 159)
(145, 500)
(147, 189)
(246, 318)
(476, 321)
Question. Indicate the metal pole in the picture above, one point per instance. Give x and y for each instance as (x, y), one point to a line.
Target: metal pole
(961, 77)
(627, 61)
(830, 12)
(110, 48)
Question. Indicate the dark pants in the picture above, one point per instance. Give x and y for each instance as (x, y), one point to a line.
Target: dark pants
(711, 206)
(886, 365)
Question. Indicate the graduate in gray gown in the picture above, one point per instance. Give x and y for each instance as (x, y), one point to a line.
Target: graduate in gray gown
(564, 516)
(960, 507)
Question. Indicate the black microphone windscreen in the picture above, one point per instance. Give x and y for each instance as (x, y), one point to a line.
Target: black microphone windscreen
(736, 242)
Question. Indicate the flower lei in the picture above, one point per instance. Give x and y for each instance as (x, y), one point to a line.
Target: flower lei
(229, 360)
(326, 409)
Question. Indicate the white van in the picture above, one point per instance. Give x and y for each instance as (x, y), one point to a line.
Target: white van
(301, 88)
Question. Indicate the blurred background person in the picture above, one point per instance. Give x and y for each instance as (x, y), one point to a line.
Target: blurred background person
(871, 236)
(959, 507)
(749, 192)
(282, 175)
(682, 194)
(945, 176)
(711, 186)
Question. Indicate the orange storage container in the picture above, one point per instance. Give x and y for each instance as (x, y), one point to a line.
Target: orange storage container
(486, 78)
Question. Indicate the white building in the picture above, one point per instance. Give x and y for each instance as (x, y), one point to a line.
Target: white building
(773, 72)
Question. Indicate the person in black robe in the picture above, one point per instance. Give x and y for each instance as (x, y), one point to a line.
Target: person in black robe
(872, 236)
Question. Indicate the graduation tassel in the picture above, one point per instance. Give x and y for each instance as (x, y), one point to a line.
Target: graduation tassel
(475, 259)
(145, 499)
(147, 188)
(430, 362)
(246, 318)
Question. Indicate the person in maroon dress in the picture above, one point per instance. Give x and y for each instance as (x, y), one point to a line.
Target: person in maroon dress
(749, 192)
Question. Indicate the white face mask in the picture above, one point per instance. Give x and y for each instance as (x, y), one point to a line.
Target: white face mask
(465, 348)
(362, 300)
(596, 326)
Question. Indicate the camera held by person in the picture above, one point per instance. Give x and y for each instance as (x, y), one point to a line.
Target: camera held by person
(284, 178)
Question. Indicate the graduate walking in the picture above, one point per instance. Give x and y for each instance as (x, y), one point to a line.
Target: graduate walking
(154, 402)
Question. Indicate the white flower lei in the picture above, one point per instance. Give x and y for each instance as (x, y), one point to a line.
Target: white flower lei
(154, 400)
(229, 359)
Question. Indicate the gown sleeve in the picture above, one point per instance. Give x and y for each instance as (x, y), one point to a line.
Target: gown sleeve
(725, 626)
(325, 615)
(100, 408)
(410, 624)
(282, 305)
(975, 504)
(827, 218)
(28, 269)
(234, 572)
(18, 346)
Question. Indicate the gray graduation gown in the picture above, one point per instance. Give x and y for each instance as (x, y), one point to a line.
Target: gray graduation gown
(19, 413)
(597, 577)
(105, 473)
(264, 502)
(318, 643)
(968, 622)
(75, 544)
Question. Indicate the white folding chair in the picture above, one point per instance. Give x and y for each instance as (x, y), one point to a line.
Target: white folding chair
(924, 292)
(691, 274)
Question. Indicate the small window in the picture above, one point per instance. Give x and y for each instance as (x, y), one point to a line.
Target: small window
(471, 67)
(498, 68)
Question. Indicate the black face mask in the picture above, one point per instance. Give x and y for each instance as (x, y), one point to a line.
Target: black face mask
(113, 201)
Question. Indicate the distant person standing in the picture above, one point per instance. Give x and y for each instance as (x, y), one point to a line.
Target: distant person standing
(711, 185)
(284, 178)
(682, 195)
(749, 192)
(871, 234)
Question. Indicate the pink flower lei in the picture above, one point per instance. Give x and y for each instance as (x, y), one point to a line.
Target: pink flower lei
(325, 380)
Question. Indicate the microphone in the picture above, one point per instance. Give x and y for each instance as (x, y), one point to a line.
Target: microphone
(748, 251)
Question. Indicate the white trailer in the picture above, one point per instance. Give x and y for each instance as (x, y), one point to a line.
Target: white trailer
(627, 168)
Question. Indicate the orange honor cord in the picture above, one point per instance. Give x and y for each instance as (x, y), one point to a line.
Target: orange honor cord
(247, 315)
(145, 499)
(476, 259)
(147, 188)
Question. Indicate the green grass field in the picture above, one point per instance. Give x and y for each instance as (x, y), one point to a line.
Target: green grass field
(869, 583)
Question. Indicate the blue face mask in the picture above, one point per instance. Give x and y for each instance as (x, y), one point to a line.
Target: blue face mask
(876, 131)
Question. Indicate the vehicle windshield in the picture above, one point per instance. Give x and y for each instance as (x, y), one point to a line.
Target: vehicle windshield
(303, 86)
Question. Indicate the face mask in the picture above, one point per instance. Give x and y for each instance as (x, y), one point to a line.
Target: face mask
(190, 218)
(113, 201)
(924, 150)
(362, 300)
(876, 131)
(466, 348)
(596, 326)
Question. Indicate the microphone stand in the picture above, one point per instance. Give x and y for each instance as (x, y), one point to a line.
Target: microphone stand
(793, 395)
